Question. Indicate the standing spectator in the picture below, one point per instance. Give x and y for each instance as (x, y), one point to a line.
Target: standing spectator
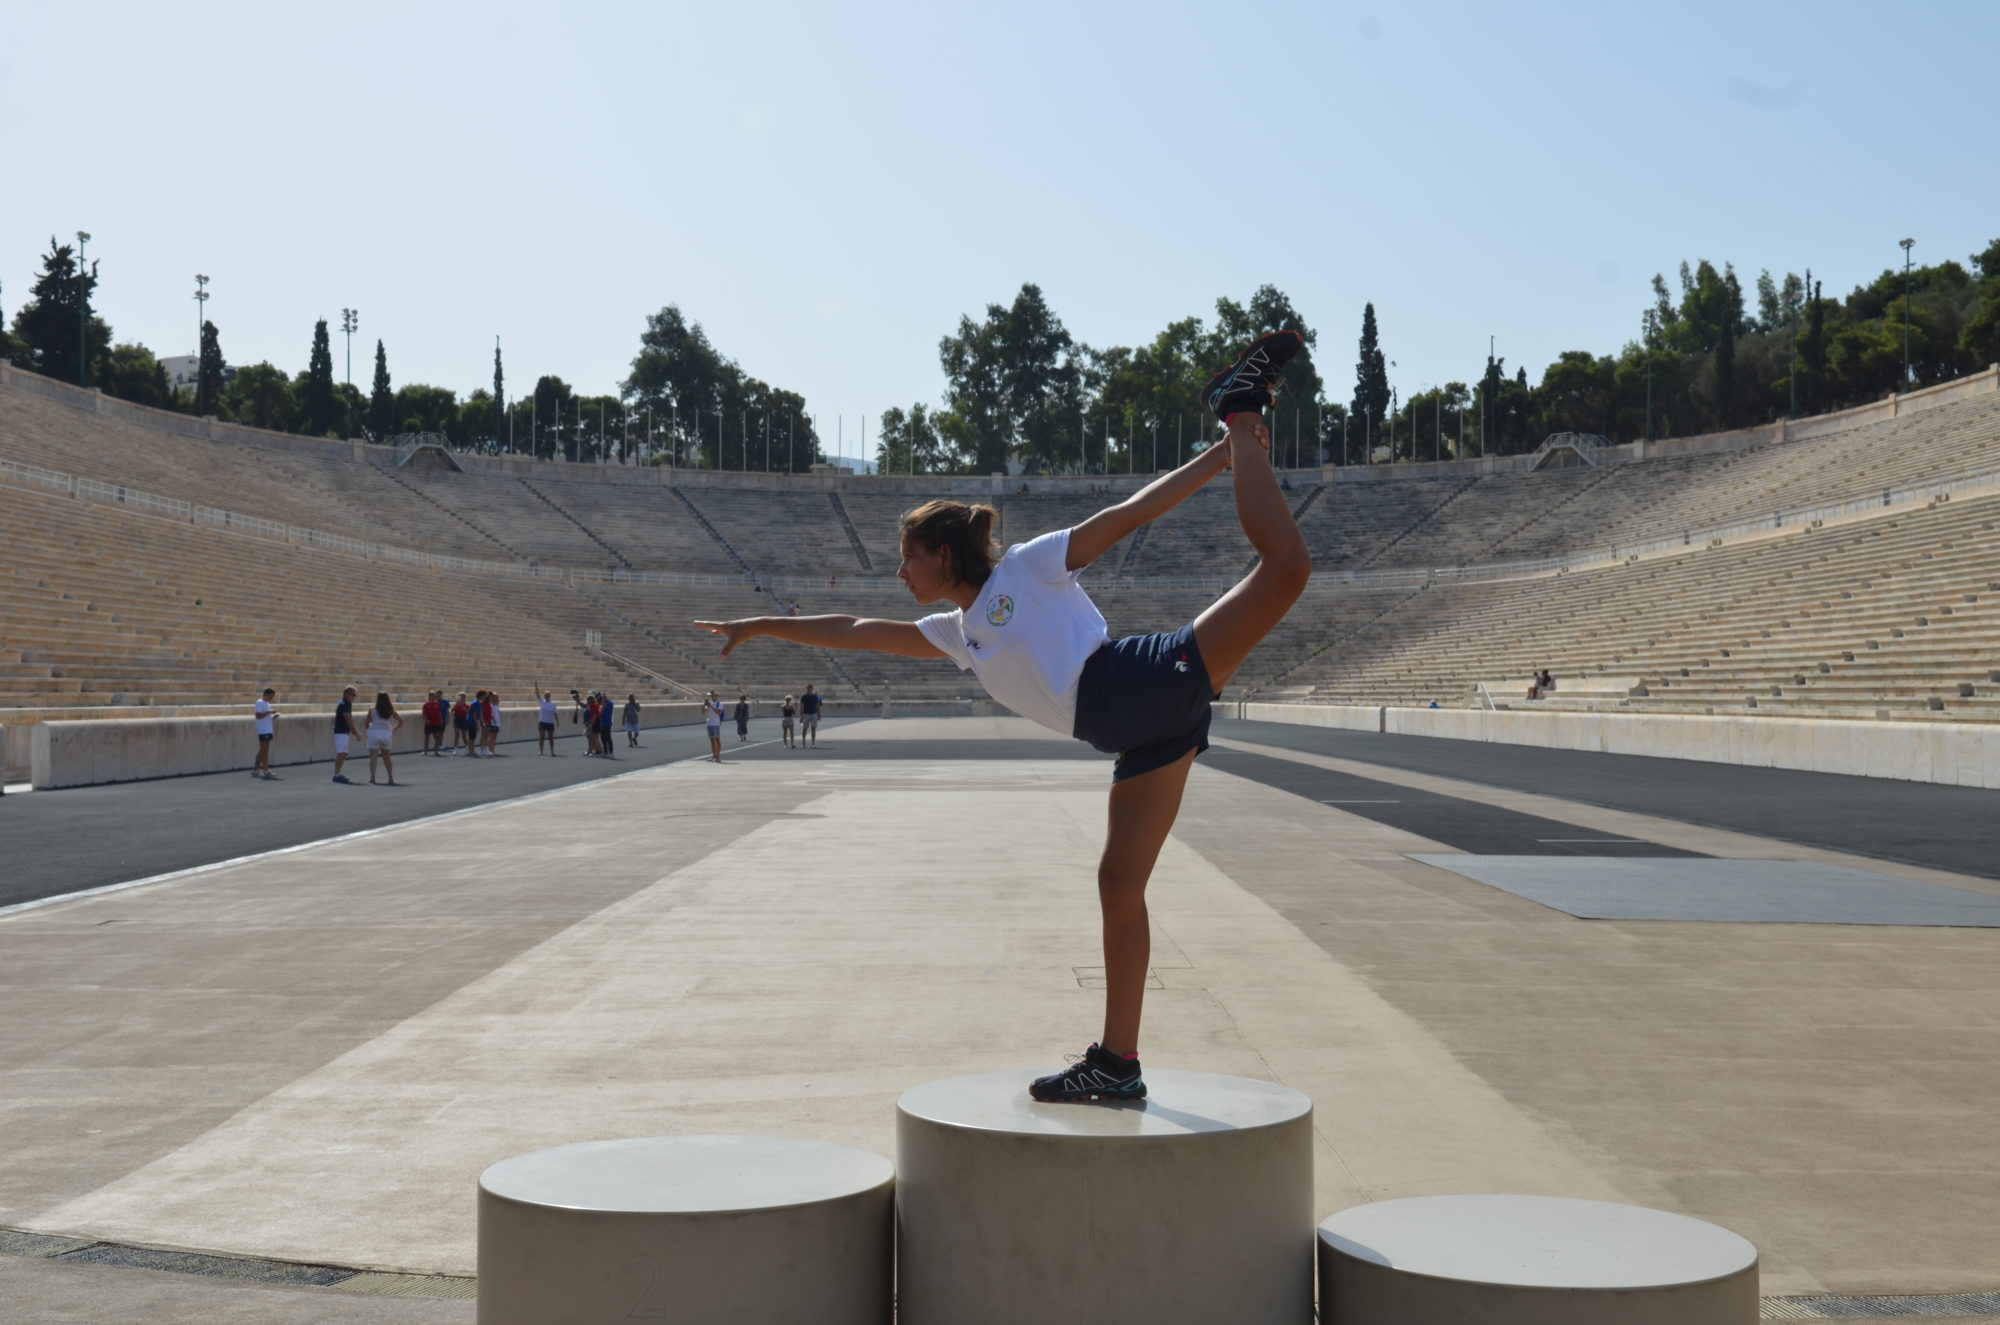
(491, 710)
(590, 726)
(266, 728)
(545, 727)
(604, 716)
(742, 718)
(434, 723)
(785, 714)
(632, 721)
(711, 712)
(343, 727)
(383, 724)
(809, 718)
(461, 724)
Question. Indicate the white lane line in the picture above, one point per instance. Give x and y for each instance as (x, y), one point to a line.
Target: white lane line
(193, 870)
(1632, 841)
(1328, 802)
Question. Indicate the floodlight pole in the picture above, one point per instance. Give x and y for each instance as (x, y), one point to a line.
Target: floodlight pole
(200, 330)
(1907, 247)
(83, 313)
(350, 322)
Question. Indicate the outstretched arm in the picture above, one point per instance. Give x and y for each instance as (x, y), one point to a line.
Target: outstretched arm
(1101, 532)
(828, 632)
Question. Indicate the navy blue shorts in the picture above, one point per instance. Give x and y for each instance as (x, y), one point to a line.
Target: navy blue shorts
(1145, 698)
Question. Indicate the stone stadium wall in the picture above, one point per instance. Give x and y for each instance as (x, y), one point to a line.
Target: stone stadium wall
(1955, 754)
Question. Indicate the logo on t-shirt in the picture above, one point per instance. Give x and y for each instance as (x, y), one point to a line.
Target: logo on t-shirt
(999, 610)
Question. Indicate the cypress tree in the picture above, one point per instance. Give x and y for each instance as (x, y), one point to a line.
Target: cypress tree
(316, 401)
(499, 396)
(1371, 379)
(209, 372)
(381, 401)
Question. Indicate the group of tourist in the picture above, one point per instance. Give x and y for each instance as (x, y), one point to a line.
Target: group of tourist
(595, 712)
(472, 721)
(802, 711)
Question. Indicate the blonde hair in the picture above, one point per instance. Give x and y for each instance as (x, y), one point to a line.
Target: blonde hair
(962, 530)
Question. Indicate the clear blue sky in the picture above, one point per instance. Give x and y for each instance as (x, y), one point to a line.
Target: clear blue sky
(827, 188)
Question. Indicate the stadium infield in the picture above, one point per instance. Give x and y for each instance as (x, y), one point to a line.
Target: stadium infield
(310, 1055)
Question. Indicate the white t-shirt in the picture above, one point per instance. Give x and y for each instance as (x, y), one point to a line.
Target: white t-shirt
(549, 711)
(1029, 632)
(712, 709)
(379, 727)
(263, 712)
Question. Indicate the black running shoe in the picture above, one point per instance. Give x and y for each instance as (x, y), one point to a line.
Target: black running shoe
(1098, 1074)
(1249, 382)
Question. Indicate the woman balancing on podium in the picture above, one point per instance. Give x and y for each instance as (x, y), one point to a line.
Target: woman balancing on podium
(1024, 626)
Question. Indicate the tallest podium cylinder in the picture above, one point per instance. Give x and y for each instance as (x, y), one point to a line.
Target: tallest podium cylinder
(1191, 1207)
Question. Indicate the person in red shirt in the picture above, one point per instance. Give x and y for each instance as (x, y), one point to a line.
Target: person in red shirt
(590, 716)
(434, 724)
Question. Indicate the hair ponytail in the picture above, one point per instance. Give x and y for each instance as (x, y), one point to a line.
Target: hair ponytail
(963, 530)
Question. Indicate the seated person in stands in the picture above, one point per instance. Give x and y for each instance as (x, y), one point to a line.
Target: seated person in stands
(1021, 622)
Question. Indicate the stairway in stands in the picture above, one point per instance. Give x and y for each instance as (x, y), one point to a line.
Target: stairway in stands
(588, 532)
(1544, 515)
(1132, 548)
(494, 539)
(1298, 514)
(1423, 520)
(853, 535)
(713, 532)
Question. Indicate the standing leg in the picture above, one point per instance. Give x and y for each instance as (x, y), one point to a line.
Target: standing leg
(1239, 620)
(1143, 809)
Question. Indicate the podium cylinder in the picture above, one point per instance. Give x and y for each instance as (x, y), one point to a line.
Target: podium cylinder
(687, 1230)
(1531, 1260)
(1191, 1207)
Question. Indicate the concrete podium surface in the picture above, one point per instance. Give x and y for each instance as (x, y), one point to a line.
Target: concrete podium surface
(1189, 1207)
(698, 1230)
(1535, 1260)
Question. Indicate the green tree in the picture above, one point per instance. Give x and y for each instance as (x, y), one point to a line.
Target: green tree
(1579, 394)
(910, 443)
(1725, 349)
(45, 336)
(1269, 309)
(421, 408)
(382, 415)
(1812, 352)
(477, 425)
(1371, 381)
(349, 407)
(707, 411)
(211, 372)
(1979, 337)
(132, 373)
(498, 404)
(1016, 382)
(552, 419)
(261, 396)
(316, 415)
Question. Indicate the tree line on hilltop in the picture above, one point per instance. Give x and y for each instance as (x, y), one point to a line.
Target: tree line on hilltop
(1022, 395)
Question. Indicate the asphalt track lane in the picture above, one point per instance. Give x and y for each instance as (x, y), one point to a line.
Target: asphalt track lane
(52, 843)
(58, 842)
(1912, 823)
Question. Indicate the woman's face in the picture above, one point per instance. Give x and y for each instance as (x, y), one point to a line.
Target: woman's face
(926, 572)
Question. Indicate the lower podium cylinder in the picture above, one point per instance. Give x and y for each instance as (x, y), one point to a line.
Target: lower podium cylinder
(1531, 1260)
(1192, 1207)
(687, 1230)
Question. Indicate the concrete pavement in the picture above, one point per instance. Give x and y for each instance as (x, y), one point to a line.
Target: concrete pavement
(312, 1056)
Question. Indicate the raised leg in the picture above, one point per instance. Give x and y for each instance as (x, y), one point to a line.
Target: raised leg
(1239, 620)
(1143, 810)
